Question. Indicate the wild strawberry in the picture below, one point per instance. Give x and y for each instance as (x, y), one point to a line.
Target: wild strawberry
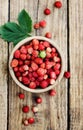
(32, 85)
(17, 54)
(48, 65)
(30, 75)
(30, 69)
(45, 76)
(38, 60)
(27, 62)
(30, 50)
(52, 54)
(40, 78)
(53, 75)
(28, 57)
(35, 42)
(35, 74)
(47, 11)
(42, 65)
(46, 44)
(25, 109)
(52, 92)
(21, 69)
(31, 120)
(15, 69)
(49, 70)
(20, 62)
(44, 84)
(53, 49)
(48, 35)
(23, 50)
(57, 72)
(38, 100)
(58, 4)
(48, 55)
(67, 75)
(25, 122)
(34, 66)
(18, 74)
(41, 71)
(35, 53)
(14, 63)
(25, 73)
(42, 23)
(57, 66)
(37, 83)
(32, 79)
(57, 59)
(25, 80)
(21, 95)
(41, 47)
(34, 109)
(48, 49)
(23, 56)
(20, 78)
(25, 67)
(36, 26)
(52, 81)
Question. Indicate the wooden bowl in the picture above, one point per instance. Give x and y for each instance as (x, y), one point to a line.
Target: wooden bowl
(23, 86)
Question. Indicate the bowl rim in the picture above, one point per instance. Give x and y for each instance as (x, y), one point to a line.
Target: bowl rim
(12, 72)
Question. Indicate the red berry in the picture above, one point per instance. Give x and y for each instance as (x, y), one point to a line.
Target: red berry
(36, 26)
(48, 64)
(38, 60)
(57, 72)
(35, 42)
(21, 69)
(14, 63)
(28, 56)
(35, 53)
(32, 85)
(25, 73)
(41, 71)
(56, 59)
(39, 100)
(44, 84)
(35, 74)
(25, 67)
(25, 80)
(37, 82)
(17, 54)
(20, 62)
(30, 50)
(46, 44)
(67, 75)
(18, 74)
(25, 109)
(15, 69)
(47, 11)
(25, 122)
(23, 56)
(34, 109)
(53, 49)
(23, 50)
(53, 75)
(41, 47)
(52, 81)
(31, 120)
(57, 66)
(20, 78)
(52, 92)
(48, 35)
(34, 66)
(21, 96)
(27, 62)
(58, 4)
(40, 78)
(42, 65)
(42, 23)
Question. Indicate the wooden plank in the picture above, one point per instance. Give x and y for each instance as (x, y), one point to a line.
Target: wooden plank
(76, 64)
(3, 68)
(56, 116)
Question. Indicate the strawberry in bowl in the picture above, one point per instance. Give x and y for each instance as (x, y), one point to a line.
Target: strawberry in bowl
(36, 64)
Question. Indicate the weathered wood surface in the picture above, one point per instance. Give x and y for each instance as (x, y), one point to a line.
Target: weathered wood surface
(64, 111)
(3, 68)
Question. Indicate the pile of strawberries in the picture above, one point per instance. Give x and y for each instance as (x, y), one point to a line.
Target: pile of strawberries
(36, 64)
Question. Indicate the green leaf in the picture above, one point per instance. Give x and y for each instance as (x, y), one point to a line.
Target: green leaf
(25, 21)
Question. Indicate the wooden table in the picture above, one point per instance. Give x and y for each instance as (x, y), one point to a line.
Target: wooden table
(65, 110)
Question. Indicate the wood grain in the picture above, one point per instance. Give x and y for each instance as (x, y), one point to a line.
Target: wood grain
(53, 111)
(76, 61)
(3, 68)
